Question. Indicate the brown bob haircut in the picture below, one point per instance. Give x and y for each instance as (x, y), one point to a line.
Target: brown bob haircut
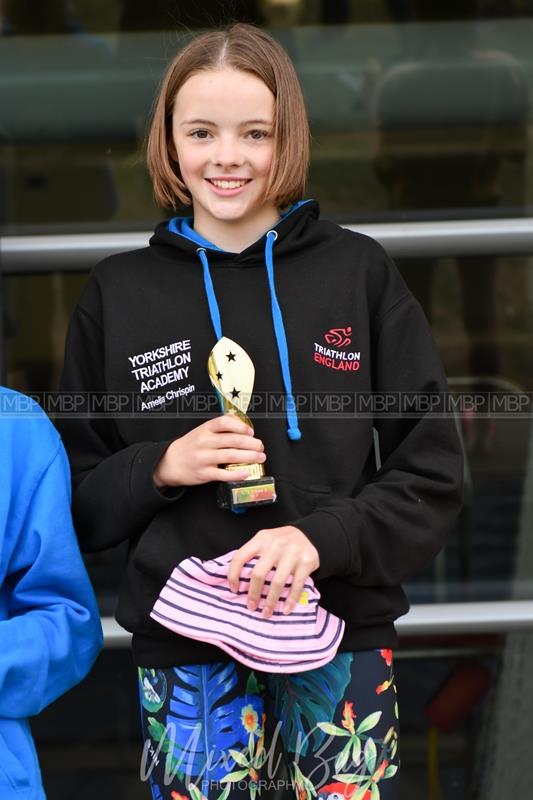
(248, 48)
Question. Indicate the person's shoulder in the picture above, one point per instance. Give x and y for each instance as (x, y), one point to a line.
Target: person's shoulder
(15, 404)
(120, 266)
(374, 267)
(26, 432)
(349, 236)
(125, 261)
(365, 243)
(367, 254)
(109, 277)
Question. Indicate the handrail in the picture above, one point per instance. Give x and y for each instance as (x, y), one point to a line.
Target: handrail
(78, 252)
(431, 619)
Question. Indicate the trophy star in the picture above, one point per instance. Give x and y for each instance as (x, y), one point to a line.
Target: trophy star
(230, 356)
(219, 376)
(235, 392)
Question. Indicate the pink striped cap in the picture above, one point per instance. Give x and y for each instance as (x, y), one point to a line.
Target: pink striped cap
(197, 602)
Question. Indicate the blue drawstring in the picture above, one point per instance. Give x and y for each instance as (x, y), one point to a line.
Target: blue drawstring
(210, 292)
(293, 430)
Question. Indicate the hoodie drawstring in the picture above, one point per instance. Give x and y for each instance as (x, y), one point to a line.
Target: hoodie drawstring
(210, 292)
(293, 430)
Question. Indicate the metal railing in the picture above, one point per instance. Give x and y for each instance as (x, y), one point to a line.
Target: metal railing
(435, 619)
(78, 252)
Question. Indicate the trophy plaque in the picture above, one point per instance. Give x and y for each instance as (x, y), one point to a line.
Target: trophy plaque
(232, 374)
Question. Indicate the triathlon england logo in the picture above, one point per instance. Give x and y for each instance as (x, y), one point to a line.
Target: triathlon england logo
(339, 337)
(333, 356)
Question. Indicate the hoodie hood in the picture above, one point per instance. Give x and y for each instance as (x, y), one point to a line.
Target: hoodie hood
(183, 226)
(295, 233)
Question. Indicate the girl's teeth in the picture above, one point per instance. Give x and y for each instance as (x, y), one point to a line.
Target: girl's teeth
(228, 184)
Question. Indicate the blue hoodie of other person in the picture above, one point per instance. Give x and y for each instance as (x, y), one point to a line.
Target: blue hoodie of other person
(50, 632)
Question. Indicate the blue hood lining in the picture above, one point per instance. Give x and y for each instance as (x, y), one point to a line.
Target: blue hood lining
(183, 226)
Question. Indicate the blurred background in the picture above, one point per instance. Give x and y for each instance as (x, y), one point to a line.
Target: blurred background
(421, 120)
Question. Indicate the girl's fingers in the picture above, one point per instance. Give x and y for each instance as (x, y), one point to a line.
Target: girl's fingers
(281, 576)
(295, 593)
(244, 554)
(209, 469)
(229, 422)
(233, 456)
(226, 475)
(284, 569)
(235, 441)
(257, 580)
(279, 549)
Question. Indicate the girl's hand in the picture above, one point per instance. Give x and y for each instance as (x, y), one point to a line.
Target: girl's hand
(286, 548)
(194, 458)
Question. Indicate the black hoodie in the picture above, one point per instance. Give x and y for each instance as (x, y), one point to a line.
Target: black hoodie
(140, 337)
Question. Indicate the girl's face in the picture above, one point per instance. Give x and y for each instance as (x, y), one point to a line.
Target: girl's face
(222, 130)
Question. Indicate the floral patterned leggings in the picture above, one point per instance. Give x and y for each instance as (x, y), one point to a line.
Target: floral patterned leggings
(334, 730)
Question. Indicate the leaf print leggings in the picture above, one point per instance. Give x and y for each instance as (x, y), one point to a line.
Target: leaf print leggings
(334, 731)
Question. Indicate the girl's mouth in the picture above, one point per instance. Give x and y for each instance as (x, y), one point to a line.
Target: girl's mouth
(228, 188)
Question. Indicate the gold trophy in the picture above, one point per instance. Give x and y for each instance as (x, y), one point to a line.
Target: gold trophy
(232, 374)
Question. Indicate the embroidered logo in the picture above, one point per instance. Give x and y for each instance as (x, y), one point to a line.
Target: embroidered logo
(345, 360)
(339, 337)
(158, 369)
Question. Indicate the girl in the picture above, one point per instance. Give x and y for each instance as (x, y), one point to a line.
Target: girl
(317, 308)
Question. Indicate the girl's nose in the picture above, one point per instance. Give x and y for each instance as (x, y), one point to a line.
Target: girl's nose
(227, 152)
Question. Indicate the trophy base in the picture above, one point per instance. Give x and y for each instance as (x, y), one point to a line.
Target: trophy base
(239, 495)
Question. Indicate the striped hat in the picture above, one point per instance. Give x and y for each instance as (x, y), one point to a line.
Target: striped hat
(197, 602)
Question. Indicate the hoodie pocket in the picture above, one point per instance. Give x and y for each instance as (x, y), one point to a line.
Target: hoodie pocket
(12, 773)
(300, 501)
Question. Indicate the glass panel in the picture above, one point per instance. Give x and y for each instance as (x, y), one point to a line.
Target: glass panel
(480, 309)
(36, 313)
(416, 109)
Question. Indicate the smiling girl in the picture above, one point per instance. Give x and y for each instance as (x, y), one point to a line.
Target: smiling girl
(226, 157)
(255, 263)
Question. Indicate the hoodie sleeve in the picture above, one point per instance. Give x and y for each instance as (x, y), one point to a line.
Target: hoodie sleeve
(114, 496)
(399, 521)
(52, 634)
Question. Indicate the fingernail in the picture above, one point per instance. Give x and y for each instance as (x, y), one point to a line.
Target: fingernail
(262, 457)
(287, 609)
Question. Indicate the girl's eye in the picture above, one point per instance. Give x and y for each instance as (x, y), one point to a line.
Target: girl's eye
(201, 131)
(259, 134)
